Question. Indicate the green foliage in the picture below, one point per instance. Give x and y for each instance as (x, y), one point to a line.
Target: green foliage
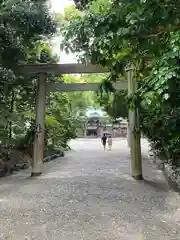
(23, 23)
(146, 33)
(82, 3)
(60, 124)
(17, 97)
(79, 100)
(112, 32)
(119, 106)
(115, 104)
(82, 100)
(24, 27)
(160, 116)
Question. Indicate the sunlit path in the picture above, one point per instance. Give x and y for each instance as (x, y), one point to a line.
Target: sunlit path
(88, 195)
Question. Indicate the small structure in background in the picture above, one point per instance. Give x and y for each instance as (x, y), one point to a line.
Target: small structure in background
(96, 122)
(93, 123)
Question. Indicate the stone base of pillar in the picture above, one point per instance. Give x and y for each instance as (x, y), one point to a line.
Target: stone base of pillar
(36, 174)
(138, 177)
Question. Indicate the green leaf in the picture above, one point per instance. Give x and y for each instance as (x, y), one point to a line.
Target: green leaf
(166, 96)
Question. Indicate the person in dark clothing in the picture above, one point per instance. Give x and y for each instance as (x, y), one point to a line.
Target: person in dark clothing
(104, 140)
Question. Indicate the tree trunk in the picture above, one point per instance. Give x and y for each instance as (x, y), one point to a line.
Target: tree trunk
(11, 111)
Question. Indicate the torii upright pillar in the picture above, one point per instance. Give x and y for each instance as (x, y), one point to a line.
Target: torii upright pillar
(134, 134)
(38, 149)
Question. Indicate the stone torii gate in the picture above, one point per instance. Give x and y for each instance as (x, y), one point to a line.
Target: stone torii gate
(43, 86)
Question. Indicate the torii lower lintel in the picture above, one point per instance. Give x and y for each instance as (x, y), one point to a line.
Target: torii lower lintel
(72, 87)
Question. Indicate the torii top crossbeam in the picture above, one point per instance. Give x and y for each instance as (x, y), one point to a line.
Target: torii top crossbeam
(70, 68)
(58, 69)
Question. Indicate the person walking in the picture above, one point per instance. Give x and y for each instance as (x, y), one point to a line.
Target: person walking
(110, 142)
(104, 140)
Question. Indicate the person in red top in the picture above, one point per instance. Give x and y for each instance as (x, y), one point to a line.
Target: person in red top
(104, 140)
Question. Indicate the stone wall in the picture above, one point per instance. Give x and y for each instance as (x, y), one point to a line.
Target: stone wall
(172, 176)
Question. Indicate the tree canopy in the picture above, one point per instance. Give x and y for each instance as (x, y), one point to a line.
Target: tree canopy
(115, 104)
(110, 32)
(81, 4)
(23, 23)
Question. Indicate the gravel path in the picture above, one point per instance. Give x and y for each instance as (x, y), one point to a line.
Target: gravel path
(89, 195)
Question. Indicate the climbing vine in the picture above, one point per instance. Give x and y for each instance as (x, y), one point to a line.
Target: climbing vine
(160, 102)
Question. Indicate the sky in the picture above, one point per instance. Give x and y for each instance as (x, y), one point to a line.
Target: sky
(58, 7)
